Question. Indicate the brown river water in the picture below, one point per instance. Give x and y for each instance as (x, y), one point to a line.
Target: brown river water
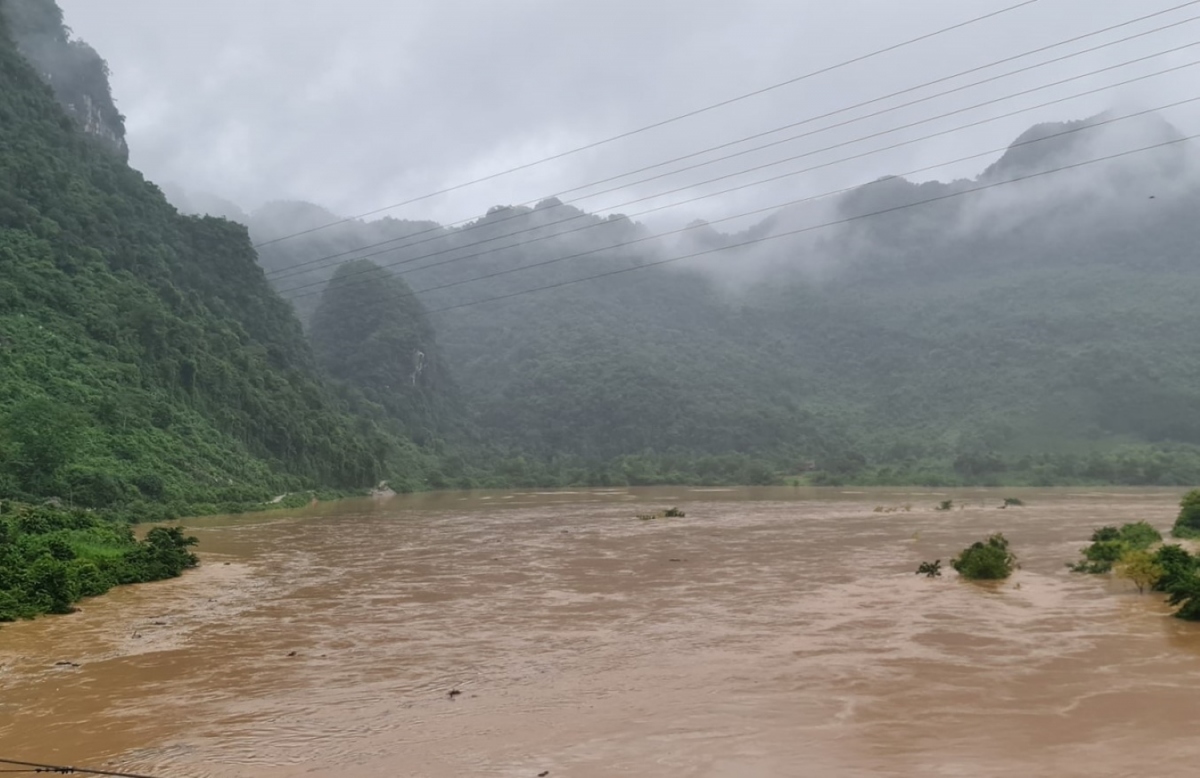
(771, 632)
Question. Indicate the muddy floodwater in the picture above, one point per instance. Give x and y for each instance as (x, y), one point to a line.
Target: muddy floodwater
(770, 632)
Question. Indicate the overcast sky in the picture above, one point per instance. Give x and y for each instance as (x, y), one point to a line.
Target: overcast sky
(356, 104)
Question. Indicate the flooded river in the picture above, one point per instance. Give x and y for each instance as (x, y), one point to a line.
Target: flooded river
(770, 632)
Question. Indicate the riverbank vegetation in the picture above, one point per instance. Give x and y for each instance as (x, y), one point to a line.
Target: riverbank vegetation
(50, 558)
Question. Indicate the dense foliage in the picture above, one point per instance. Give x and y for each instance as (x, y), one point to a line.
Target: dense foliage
(1110, 544)
(144, 360)
(372, 336)
(1180, 579)
(1187, 525)
(51, 558)
(986, 560)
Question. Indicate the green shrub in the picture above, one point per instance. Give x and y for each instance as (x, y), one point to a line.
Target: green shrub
(986, 560)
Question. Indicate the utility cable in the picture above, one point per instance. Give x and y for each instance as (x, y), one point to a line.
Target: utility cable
(812, 228)
(289, 292)
(591, 225)
(665, 122)
(778, 206)
(49, 768)
(300, 268)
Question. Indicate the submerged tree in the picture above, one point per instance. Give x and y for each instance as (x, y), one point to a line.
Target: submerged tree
(986, 560)
(1139, 567)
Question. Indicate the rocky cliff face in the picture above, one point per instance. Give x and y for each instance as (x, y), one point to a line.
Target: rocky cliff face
(73, 70)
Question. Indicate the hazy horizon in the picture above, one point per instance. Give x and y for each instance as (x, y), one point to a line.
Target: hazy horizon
(364, 104)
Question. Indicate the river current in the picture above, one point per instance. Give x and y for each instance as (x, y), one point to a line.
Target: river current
(769, 632)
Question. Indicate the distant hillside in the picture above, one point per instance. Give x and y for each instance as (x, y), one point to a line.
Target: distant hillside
(373, 338)
(1036, 331)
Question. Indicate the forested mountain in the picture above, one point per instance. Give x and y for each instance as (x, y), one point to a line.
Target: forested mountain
(1024, 325)
(143, 356)
(373, 337)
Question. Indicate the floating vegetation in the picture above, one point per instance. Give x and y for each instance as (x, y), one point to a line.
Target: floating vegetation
(669, 513)
(930, 569)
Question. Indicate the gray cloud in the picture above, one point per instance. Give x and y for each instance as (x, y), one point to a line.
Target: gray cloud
(358, 103)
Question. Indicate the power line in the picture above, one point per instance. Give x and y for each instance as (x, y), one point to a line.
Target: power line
(671, 120)
(812, 228)
(731, 189)
(777, 206)
(49, 768)
(805, 170)
(299, 268)
(288, 292)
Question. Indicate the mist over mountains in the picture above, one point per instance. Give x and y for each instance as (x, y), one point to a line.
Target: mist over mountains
(1033, 324)
(972, 322)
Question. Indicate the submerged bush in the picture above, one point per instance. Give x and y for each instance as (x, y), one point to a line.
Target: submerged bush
(986, 560)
